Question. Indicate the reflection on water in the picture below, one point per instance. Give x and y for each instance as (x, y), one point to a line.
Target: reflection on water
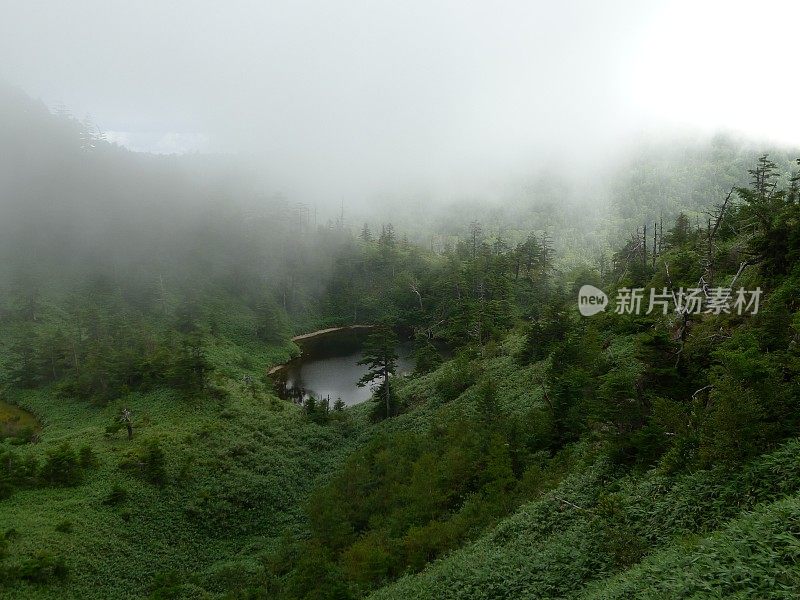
(328, 368)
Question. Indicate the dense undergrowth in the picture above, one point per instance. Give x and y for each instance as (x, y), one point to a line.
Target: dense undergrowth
(601, 535)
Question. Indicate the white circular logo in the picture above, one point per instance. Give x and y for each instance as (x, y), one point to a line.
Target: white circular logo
(591, 300)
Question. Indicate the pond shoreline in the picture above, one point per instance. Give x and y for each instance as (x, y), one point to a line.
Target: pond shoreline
(16, 420)
(314, 334)
(305, 336)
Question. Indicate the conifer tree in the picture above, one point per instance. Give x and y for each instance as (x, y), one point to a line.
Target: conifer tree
(380, 357)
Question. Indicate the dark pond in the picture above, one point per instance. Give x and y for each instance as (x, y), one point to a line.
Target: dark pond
(328, 367)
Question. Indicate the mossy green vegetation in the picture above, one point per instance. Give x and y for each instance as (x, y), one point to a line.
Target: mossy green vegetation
(191, 491)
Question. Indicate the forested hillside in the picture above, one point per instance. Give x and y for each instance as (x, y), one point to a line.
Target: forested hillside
(533, 452)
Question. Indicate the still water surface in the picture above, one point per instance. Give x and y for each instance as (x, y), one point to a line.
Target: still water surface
(328, 367)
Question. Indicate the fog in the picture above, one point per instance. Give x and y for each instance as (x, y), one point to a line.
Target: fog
(331, 101)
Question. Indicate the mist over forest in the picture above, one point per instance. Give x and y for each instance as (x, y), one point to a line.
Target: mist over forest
(331, 301)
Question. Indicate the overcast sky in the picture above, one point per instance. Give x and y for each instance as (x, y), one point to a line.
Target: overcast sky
(346, 98)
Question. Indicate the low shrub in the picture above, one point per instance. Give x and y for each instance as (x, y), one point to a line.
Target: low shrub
(62, 467)
(42, 568)
(149, 462)
(116, 496)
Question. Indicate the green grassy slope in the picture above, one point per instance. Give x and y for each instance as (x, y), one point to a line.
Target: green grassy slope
(754, 556)
(239, 466)
(710, 534)
(237, 475)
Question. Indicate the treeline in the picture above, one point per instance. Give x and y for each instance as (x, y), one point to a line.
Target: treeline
(98, 348)
(663, 179)
(469, 293)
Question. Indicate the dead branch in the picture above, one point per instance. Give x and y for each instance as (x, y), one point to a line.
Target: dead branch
(572, 504)
(739, 272)
(721, 213)
(415, 288)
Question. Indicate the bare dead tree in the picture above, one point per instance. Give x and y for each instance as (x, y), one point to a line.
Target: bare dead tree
(655, 243)
(415, 288)
(475, 232)
(716, 216)
(126, 418)
(720, 212)
(739, 272)
(709, 258)
(644, 245)
(682, 311)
